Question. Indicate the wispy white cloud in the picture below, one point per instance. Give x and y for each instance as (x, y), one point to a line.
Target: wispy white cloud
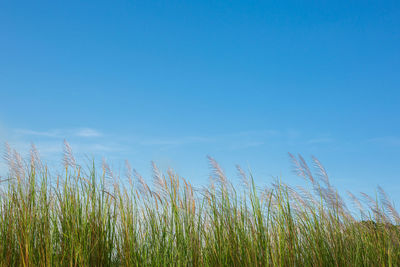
(246, 145)
(244, 138)
(253, 133)
(87, 132)
(323, 140)
(60, 133)
(91, 141)
(174, 141)
(386, 140)
(27, 132)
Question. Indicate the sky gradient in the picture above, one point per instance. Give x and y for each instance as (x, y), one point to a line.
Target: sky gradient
(243, 81)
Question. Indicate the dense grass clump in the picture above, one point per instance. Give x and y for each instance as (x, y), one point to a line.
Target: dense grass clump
(94, 218)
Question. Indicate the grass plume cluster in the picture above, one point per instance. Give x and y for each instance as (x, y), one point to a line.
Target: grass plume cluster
(89, 217)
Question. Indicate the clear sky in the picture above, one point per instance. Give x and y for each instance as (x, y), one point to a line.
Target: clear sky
(173, 81)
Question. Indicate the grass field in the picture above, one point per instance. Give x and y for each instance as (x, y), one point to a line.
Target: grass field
(92, 217)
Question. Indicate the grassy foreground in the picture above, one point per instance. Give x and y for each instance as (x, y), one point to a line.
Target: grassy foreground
(92, 218)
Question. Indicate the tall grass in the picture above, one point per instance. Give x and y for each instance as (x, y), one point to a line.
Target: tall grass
(89, 217)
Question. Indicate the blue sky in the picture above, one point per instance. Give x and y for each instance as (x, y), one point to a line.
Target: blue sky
(173, 81)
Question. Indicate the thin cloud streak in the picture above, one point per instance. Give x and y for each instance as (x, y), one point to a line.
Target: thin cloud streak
(26, 132)
(320, 141)
(91, 141)
(247, 145)
(174, 141)
(386, 140)
(60, 133)
(88, 132)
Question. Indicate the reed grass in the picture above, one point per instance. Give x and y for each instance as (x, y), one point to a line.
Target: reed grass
(91, 217)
